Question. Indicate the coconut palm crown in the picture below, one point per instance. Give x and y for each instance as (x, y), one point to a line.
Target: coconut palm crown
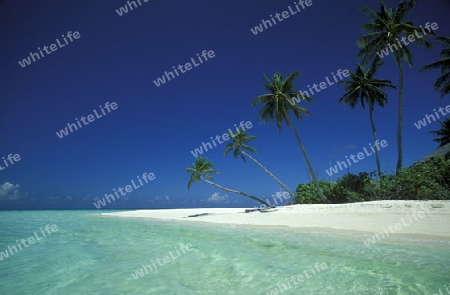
(442, 84)
(239, 145)
(201, 168)
(443, 133)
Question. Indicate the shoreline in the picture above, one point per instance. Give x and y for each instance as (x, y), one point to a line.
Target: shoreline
(397, 219)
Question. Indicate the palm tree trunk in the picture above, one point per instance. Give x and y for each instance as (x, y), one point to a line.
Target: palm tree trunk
(308, 162)
(400, 119)
(268, 172)
(235, 192)
(377, 153)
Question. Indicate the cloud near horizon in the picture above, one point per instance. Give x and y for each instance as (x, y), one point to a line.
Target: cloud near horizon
(9, 191)
(217, 198)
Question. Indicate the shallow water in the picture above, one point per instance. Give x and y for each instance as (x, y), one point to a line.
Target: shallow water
(92, 254)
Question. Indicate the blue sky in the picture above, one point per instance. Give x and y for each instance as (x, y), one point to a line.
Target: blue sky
(154, 129)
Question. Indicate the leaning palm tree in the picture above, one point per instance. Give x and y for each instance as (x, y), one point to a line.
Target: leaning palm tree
(239, 146)
(362, 87)
(384, 31)
(202, 168)
(278, 103)
(442, 84)
(443, 134)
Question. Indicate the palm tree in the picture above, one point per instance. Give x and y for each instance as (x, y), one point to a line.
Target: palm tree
(386, 28)
(239, 146)
(362, 87)
(442, 84)
(443, 133)
(202, 168)
(278, 103)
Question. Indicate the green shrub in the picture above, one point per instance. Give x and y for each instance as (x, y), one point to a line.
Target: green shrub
(355, 187)
(307, 193)
(424, 181)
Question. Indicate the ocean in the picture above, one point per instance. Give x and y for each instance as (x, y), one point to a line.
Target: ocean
(82, 252)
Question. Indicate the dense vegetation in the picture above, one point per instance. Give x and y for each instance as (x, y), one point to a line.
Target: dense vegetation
(422, 181)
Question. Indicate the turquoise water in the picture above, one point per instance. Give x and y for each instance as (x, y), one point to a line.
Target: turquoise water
(92, 254)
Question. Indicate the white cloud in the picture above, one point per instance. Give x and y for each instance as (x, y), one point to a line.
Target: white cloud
(9, 191)
(159, 199)
(217, 198)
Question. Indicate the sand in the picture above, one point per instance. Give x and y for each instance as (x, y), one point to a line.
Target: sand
(398, 218)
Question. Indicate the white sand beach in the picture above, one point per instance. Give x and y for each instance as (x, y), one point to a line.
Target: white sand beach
(398, 218)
